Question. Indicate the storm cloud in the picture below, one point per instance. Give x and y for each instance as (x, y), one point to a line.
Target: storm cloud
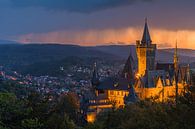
(93, 22)
(85, 6)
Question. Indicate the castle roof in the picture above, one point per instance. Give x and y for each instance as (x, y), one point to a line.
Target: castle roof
(128, 69)
(114, 83)
(168, 67)
(164, 66)
(95, 77)
(146, 35)
(151, 77)
(184, 73)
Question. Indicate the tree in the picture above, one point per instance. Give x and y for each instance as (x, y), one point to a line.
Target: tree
(55, 121)
(12, 110)
(68, 104)
(31, 124)
(148, 115)
(38, 111)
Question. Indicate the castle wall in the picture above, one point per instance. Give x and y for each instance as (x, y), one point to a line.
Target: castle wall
(117, 97)
(159, 93)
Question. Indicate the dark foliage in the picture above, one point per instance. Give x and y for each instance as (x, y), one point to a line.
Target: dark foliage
(38, 111)
(148, 115)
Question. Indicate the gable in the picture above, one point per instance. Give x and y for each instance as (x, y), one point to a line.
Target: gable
(159, 83)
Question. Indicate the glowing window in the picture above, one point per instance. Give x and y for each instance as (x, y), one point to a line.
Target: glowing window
(111, 93)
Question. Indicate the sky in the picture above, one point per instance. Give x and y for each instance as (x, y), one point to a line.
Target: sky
(98, 22)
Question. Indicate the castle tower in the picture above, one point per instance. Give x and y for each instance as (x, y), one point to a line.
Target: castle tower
(145, 52)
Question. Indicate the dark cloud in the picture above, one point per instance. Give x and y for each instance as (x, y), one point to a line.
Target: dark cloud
(75, 5)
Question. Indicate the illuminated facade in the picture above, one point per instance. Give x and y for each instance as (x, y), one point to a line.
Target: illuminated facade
(105, 100)
(160, 82)
(145, 52)
(110, 92)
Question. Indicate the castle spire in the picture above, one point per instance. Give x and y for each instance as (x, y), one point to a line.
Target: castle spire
(95, 77)
(128, 68)
(175, 57)
(146, 35)
(176, 72)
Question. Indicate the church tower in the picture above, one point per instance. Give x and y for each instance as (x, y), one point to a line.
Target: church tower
(145, 52)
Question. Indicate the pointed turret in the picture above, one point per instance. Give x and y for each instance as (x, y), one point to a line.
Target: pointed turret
(175, 57)
(146, 35)
(176, 68)
(128, 69)
(95, 77)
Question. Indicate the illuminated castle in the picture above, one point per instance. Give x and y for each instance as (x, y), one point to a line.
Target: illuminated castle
(110, 92)
(158, 81)
(161, 81)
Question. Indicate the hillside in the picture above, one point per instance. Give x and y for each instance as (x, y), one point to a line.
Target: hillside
(27, 54)
(46, 59)
(162, 55)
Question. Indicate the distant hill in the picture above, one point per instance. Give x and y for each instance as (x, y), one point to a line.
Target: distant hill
(162, 55)
(184, 56)
(181, 51)
(46, 58)
(8, 42)
(122, 51)
(38, 52)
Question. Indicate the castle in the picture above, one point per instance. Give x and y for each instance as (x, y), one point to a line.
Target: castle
(159, 81)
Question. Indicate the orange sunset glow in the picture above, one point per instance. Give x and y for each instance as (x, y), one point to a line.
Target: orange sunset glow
(97, 64)
(163, 38)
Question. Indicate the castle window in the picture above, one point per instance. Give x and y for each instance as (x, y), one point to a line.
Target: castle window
(118, 93)
(111, 93)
